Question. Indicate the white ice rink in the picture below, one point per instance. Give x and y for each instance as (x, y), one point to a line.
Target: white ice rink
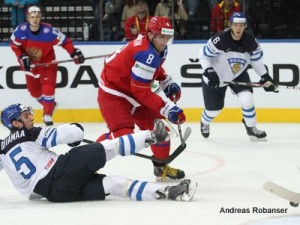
(229, 168)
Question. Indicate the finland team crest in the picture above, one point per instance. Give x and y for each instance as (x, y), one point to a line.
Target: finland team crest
(236, 64)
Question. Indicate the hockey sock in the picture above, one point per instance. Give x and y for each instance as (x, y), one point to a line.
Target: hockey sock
(116, 185)
(40, 99)
(103, 137)
(208, 115)
(131, 143)
(248, 109)
(135, 190)
(161, 150)
(143, 191)
(48, 104)
(111, 148)
(125, 145)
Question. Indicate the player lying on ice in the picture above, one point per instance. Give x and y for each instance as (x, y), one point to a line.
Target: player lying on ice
(34, 169)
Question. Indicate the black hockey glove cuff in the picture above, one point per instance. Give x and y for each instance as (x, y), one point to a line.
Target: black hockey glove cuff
(212, 76)
(78, 56)
(25, 62)
(269, 83)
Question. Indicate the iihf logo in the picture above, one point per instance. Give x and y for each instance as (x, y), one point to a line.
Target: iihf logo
(236, 64)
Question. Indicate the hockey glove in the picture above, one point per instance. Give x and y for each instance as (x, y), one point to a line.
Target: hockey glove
(173, 113)
(77, 56)
(269, 83)
(212, 76)
(173, 92)
(76, 143)
(176, 115)
(171, 89)
(25, 62)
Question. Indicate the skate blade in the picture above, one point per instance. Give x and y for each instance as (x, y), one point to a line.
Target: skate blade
(256, 139)
(168, 179)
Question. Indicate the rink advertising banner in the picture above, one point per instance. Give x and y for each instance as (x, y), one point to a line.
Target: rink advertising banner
(76, 91)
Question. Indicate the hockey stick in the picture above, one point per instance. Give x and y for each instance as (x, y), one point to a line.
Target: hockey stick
(65, 61)
(171, 157)
(292, 197)
(255, 84)
(248, 84)
(178, 124)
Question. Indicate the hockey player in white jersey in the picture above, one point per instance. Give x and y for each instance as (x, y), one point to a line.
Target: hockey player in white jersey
(34, 169)
(226, 57)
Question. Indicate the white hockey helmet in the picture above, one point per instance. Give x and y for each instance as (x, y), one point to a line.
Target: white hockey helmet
(33, 10)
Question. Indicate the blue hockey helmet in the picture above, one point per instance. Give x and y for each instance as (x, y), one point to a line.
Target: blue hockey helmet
(238, 17)
(13, 112)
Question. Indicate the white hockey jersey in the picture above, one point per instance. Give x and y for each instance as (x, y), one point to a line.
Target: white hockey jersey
(230, 58)
(25, 155)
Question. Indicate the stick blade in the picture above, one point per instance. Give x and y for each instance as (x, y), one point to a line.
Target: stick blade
(282, 192)
(187, 133)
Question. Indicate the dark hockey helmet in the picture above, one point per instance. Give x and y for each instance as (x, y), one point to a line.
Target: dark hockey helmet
(238, 17)
(13, 112)
(161, 25)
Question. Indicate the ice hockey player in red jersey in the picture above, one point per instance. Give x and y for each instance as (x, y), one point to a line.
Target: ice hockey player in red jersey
(125, 97)
(32, 43)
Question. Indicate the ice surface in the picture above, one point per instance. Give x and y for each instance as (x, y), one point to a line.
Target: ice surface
(229, 168)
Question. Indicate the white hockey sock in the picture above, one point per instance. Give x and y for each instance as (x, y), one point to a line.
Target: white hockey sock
(135, 190)
(132, 143)
(116, 185)
(111, 148)
(144, 191)
(208, 115)
(248, 109)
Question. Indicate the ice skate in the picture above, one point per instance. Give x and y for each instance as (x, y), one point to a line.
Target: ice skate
(48, 120)
(166, 173)
(182, 192)
(158, 134)
(254, 133)
(205, 130)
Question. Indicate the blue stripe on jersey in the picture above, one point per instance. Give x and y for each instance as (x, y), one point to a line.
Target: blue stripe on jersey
(140, 191)
(256, 56)
(132, 144)
(121, 146)
(207, 52)
(53, 141)
(131, 188)
(45, 140)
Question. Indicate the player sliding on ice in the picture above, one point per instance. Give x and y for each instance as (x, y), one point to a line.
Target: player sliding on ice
(34, 169)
